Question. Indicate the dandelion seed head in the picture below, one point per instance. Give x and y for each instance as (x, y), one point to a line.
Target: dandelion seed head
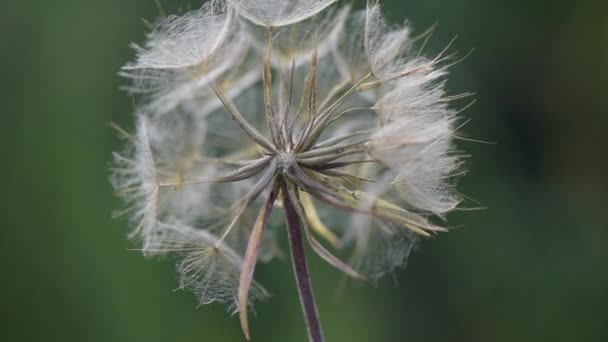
(326, 113)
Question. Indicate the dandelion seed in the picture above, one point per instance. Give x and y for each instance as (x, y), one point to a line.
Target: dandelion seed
(278, 13)
(249, 107)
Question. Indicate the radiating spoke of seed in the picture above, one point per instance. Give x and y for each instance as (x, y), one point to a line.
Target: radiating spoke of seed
(245, 126)
(241, 173)
(309, 137)
(323, 151)
(312, 100)
(323, 159)
(270, 113)
(287, 131)
(252, 195)
(346, 175)
(368, 204)
(334, 92)
(362, 203)
(341, 164)
(341, 138)
(251, 255)
(300, 178)
(344, 113)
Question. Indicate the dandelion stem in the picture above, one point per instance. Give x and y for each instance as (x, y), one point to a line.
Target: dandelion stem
(300, 269)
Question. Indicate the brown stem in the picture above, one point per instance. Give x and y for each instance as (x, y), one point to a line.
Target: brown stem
(300, 269)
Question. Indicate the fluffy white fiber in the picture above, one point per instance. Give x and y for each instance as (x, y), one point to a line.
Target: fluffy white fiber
(240, 96)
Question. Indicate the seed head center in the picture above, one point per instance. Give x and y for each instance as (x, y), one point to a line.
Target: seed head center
(286, 159)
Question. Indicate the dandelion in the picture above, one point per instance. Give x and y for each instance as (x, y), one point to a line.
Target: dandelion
(251, 108)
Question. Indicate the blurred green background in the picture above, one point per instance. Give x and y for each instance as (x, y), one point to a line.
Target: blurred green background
(530, 267)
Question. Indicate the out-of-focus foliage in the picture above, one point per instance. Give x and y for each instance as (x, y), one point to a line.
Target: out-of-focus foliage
(530, 267)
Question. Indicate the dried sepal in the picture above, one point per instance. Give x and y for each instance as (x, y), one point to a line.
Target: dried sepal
(251, 256)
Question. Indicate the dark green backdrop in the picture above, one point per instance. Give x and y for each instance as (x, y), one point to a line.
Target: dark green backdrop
(530, 267)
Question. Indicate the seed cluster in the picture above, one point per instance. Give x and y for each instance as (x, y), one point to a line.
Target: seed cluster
(327, 113)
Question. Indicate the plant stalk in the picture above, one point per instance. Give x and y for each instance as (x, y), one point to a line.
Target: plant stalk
(300, 269)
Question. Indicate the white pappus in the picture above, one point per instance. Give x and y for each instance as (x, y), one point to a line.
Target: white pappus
(249, 108)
